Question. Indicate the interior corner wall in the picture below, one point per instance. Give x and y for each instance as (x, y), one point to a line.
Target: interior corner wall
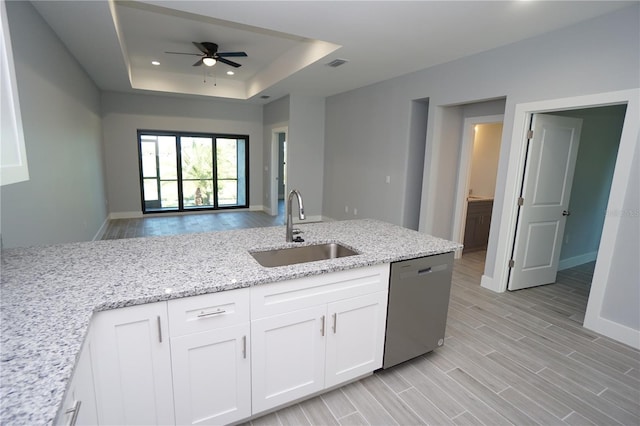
(64, 200)
(305, 151)
(123, 114)
(275, 115)
(415, 163)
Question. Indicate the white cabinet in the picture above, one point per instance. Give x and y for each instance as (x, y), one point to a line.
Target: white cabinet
(355, 342)
(79, 406)
(132, 365)
(314, 333)
(288, 357)
(210, 354)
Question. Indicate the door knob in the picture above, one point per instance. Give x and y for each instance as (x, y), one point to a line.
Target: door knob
(566, 213)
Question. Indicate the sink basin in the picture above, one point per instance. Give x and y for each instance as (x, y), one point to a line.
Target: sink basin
(302, 254)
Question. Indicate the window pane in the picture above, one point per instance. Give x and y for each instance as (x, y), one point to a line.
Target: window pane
(148, 149)
(167, 157)
(197, 193)
(226, 159)
(197, 158)
(150, 189)
(231, 173)
(228, 192)
(169, 194)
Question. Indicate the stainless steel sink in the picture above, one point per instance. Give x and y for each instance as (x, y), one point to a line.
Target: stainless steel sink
(302, 254)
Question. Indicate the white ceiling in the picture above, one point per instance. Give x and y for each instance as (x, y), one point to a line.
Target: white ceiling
(289, 43)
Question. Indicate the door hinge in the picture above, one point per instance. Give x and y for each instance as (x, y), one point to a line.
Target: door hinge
(521, 201)
(512, 263)
(530, 134)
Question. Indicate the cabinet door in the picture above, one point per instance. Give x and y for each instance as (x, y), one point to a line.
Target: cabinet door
(287, 360)
(79, 406)
(355, 337)
(212, 376)
(132, 365)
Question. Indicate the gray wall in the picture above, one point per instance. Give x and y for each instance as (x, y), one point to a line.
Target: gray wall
(368, 129)
(305, 150)
(64, 200)
(274, 115)
(599, 141)
(124, 114)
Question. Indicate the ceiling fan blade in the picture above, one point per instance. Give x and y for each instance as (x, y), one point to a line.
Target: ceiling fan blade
(184, 53)
(231, 54)
(210, 48)
(200, 47)
(228, 62)
(197, 64)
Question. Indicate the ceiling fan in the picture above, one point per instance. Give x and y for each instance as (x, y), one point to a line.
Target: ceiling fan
(210, 55)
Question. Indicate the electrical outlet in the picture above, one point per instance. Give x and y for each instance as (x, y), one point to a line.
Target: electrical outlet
(388, 179)
(346, 209)
(355, 212)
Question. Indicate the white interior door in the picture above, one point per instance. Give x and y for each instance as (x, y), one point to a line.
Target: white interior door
(551, 161)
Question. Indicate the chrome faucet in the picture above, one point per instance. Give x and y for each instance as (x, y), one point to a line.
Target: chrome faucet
(289, 215)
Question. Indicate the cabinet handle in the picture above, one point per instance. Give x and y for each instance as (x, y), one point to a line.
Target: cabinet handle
(335, 323)
(75, 410)
(244, 347)
(322, 328)
(159, 329)
(210, 314)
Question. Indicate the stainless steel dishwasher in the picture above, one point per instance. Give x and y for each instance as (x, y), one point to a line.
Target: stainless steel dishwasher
(418, 304)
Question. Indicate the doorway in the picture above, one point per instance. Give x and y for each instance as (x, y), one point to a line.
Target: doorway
(278, 170)
(479, 158)
(612, 262)
(565, 191)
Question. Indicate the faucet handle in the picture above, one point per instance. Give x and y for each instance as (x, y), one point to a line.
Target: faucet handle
(297, 231)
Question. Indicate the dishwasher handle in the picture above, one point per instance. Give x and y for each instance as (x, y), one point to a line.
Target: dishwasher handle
(423, 271)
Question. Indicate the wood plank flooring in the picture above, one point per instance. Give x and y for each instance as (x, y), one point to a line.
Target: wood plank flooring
(167, 224)
(519, 358)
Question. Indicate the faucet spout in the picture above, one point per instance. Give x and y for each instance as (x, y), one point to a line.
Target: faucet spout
(298, 195)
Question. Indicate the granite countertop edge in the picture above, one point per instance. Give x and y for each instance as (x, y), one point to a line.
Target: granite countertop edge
(49, 294)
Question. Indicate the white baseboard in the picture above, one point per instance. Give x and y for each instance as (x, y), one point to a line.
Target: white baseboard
(102, 230)
(257, 208)
(124, 215)
(577, 260)
(489, 283)
(615, 331)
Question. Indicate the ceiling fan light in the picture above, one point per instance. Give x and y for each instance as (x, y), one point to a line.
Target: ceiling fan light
(209, 61)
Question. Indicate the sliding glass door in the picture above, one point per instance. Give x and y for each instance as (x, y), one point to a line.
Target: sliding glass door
(182, 171)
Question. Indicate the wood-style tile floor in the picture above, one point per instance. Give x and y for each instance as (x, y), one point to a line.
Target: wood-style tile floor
(167, 224)
(520, 358)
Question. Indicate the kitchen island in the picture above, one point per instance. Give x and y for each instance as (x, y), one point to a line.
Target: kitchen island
(49, 294)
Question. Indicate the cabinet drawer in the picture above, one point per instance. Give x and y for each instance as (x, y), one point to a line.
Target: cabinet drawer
(208, 311)
(287, 296)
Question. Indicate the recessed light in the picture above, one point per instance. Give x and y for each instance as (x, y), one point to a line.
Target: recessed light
(230, 72)
(156, 63)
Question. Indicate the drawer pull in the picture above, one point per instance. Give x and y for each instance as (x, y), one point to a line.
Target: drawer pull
(204, 314)
(322, 329)
(244, 347)
(159, 330)
(335, 323)
(74, 413)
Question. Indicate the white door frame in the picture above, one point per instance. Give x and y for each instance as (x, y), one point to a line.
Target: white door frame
(619, 188)
(464, 173)
(273, 174)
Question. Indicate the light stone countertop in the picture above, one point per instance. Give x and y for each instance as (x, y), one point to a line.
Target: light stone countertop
(48, 294)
